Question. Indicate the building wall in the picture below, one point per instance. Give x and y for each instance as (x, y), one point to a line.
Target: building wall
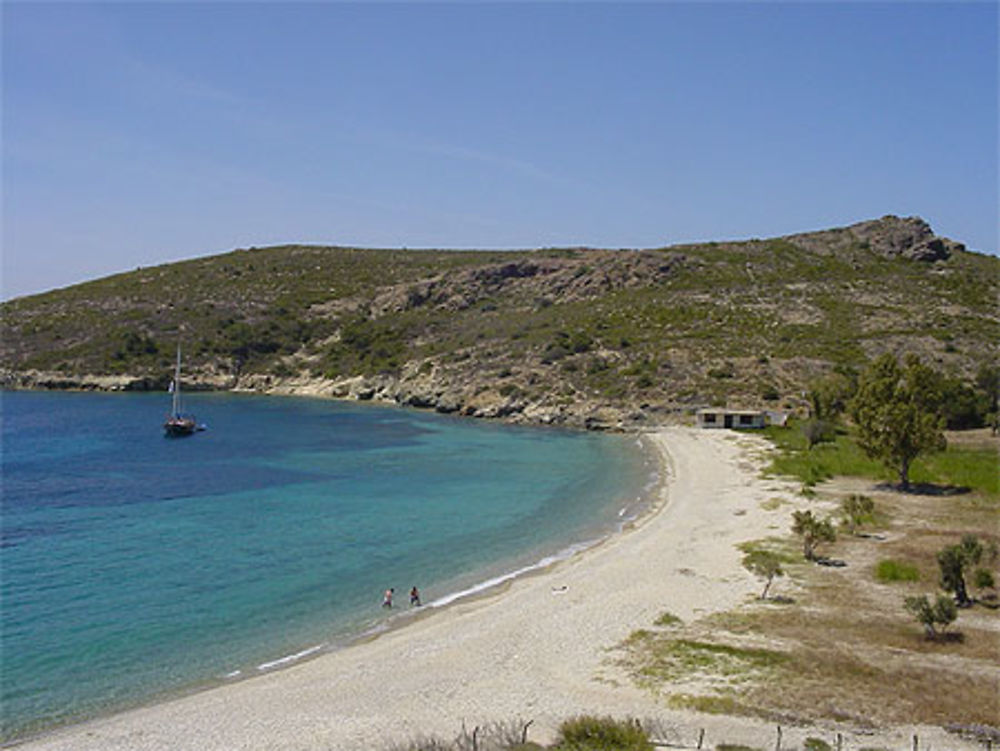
(731, 419)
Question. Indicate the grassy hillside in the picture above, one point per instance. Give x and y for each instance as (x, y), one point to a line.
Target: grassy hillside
(554, 335)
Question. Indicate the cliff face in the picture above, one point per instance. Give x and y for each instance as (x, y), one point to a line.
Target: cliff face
(582, 337)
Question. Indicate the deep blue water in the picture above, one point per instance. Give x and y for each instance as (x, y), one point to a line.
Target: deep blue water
(134, 566)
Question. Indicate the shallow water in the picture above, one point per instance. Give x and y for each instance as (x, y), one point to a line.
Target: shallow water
(134, 566)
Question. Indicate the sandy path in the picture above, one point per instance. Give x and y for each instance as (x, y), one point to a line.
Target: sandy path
(537, 651)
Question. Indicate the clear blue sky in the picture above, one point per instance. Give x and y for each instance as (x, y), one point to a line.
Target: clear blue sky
(136, 134)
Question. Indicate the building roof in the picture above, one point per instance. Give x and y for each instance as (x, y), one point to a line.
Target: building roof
(727, 411)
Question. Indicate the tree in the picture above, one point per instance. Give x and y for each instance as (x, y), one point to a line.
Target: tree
(829, 395)
(962, 406)
(813, 531)
(817, 431)
(941, 613)
(988, 382)
(954, 561)
(856, 510)
(765, 564)
(897, 412)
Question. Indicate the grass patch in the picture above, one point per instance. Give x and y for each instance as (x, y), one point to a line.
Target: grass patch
(975, 469)
(669, 659)
(668, 619)
(972, 468)
(787, 550)
(840, 457)
(890, 570)
(773, 504)
(728, 705)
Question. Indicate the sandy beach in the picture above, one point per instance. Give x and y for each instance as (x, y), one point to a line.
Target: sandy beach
(540, 648)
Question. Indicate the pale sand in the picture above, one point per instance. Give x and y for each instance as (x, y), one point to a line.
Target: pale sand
(540, 650)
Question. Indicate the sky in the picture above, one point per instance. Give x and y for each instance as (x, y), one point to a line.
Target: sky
(138, 133)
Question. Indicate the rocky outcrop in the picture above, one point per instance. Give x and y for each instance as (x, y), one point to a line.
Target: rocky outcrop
(450, 393)
(577, 275)
(54, 381)
(891, 237)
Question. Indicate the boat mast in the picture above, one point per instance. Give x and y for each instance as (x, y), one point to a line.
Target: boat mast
(177, 383)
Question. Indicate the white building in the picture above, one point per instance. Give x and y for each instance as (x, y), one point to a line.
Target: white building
(730, 418)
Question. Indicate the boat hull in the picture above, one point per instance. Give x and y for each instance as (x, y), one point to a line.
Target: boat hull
(178, 427)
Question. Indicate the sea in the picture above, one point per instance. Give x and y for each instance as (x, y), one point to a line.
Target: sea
(135, 567)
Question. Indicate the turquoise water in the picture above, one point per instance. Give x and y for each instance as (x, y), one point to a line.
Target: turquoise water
(135, 566)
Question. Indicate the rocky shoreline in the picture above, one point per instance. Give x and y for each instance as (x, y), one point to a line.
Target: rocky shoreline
(444, 396)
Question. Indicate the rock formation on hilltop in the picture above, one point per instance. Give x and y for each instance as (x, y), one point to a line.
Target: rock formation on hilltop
(890, 237)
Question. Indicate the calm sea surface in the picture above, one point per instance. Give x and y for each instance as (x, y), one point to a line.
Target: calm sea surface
(134, 566)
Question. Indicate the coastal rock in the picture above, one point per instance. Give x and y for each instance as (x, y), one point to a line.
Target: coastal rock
(49, 381)
(490, 404)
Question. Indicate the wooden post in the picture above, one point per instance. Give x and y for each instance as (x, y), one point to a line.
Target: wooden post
(777, 744)
(701, 737)
(524, 732)
(916, 742)
(840, 742)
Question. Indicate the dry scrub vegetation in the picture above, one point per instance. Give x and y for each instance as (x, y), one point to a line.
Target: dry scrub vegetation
(835, 643)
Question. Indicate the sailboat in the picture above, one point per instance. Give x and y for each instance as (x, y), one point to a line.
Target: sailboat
(177, 423)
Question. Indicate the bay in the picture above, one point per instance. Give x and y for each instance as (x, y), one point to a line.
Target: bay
(134, 566)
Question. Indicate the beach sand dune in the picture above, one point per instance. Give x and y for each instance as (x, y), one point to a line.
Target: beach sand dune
(541, 648)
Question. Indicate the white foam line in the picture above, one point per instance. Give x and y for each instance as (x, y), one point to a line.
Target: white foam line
(290, 658)
(503, 578)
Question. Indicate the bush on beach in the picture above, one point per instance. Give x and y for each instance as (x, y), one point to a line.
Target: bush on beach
(583, 733)
(588, 733)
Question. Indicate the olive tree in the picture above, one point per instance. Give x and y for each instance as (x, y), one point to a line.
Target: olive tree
(856, 510)
(954, 561)
(941, 613)
(813, 531)
(765, 564)
(897, 413)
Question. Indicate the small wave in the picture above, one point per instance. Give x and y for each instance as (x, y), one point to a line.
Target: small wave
(290, 658)
(510, 576)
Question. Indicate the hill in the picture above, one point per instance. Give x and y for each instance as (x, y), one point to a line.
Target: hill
(574, 336)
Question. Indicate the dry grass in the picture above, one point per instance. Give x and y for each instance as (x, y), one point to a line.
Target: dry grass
(844, 648)
(981, 438)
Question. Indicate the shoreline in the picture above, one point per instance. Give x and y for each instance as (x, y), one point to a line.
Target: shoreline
(382, 390)
(487, 582)
(538, 647)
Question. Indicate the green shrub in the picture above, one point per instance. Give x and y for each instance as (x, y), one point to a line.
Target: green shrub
(726, 370)
(857, 510)
(983, 579)
(589, 733)
(930, 615)
(889, 570)
(667, 619)
(816, 744)
(818, 431)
